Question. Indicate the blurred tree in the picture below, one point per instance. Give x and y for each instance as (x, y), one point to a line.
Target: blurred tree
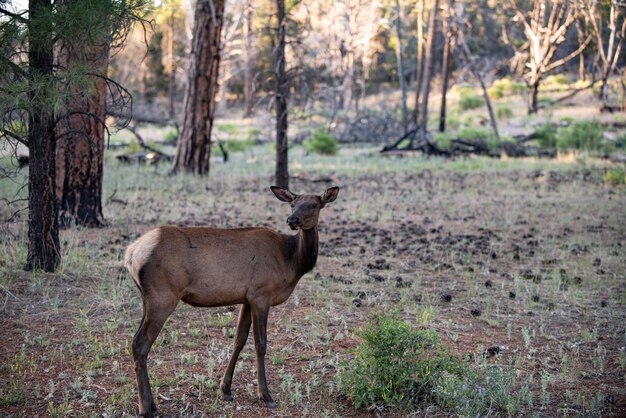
(428, 70)
(545, 27)
(280, 100)
(609, 45)
(193, 150)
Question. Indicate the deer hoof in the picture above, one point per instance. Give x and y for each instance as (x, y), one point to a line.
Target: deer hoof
(228, 397)
(269, 403)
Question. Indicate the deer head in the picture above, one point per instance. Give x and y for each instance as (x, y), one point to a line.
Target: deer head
(306, 207)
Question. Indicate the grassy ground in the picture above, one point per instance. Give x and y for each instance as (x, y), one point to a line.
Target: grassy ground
(524, 255)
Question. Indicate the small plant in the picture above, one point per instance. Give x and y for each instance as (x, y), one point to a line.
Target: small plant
(557, 79)
(321, 142)
(472, 134)
(171, 135)
(442, 140)
(504, 112)
(615, 177)
(585, 135)
(546, 135)
(395, 364)
(469, 100)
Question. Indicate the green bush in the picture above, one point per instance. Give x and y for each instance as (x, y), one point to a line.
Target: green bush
(506, 87)
(471, 133)
(469, 100)
(504, 112)
(321, 142)
(237, 145)
(395, 364)
(546, 135)
(171, 135)
(615, 177)
(442, 140)
(585, 135)
(495, 92)
(557, 79)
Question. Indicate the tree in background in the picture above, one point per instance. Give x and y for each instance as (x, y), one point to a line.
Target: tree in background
(545, 27)
(609, 46)
(248, 59)
(193, 150)
(98, 26)
(428, 70)
(280, 100)
(37, 98)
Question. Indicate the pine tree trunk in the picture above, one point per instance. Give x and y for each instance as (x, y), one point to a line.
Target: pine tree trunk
(193, 150)
(445, 67)
(80, 142)
(400, 53)
(282, 160)
(43, 227)
(420, 59)
(248, 84)
(428, 69)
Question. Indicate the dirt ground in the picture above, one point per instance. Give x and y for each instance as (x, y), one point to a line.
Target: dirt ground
(524, 258)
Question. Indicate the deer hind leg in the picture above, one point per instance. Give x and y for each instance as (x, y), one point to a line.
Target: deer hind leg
(243, 329)
(155, 313)
(259, 318)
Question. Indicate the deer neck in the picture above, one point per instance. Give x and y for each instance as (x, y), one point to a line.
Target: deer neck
(306, 250)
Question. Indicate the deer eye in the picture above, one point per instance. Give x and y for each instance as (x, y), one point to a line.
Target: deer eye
(314, 205)
(292, 205)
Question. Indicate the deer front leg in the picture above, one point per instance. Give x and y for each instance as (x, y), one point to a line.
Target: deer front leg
(243, 329)
(259, 318)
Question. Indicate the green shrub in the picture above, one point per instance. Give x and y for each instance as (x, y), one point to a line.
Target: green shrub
(489, 391)
(237, 145)
(495, 92)
(504, 112)
(585, 135)
(321, 142)
(615, 177)
(557, 79)
(469, 100)
(442, 140)
(395, 364)
(546, 135)
(171, 135)
(507, 87)
(228, 128)
(471, 133)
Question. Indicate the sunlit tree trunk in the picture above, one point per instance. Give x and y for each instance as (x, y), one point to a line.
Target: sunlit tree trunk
(194, 143)
(282, 169)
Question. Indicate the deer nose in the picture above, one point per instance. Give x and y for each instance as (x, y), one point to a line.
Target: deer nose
(294, 221)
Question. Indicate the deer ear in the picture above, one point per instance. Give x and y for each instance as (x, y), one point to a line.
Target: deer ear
(330, 195)
(283, 195)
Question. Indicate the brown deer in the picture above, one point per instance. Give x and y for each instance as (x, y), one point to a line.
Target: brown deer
(255, 267)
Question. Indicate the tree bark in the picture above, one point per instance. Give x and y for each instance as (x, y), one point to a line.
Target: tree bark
(80, 140)
(43, 227)
(533, 91)
(400, 52)
(193, 150)
(248, 84)
(282, 160)
(445, 67)
(428, 69)
(420, 59)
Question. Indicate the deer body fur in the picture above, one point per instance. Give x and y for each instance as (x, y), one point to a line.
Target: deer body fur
(255, 267)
